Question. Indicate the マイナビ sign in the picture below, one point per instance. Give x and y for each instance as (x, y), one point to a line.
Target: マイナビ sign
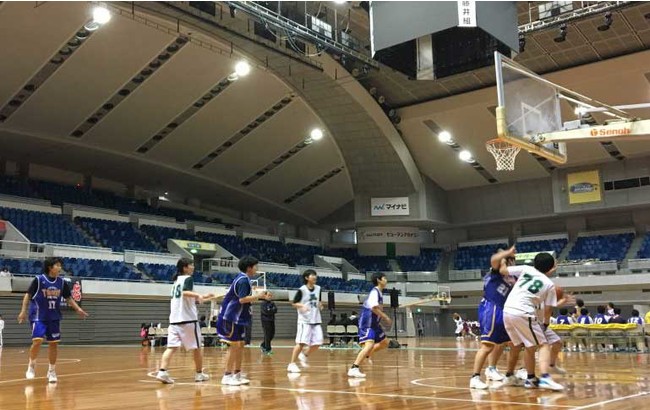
(389, 206)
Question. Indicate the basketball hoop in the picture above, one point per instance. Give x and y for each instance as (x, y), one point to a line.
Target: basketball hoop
(504, 153)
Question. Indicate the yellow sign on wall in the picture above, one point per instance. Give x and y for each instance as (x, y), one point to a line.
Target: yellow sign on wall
(584, 187)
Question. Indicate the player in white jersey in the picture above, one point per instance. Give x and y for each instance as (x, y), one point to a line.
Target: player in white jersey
(522, 316)
(183, 321)
(309, 332)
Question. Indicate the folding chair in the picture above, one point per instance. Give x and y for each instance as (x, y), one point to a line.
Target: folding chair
(352, 332)
(340, 331)
(331, 333)
(636, 339)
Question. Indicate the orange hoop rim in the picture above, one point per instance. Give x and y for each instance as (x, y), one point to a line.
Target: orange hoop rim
(504, 153)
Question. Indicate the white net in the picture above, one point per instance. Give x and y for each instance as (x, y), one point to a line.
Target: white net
(504, 154)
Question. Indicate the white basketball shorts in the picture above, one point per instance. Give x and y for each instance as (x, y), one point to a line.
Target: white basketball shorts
(187, 335)
(524, 330)
(310, 335)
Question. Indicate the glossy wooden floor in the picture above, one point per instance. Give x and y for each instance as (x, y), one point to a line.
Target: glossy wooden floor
(431, 376)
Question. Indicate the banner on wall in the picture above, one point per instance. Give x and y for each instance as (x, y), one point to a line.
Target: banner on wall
(584, 187)
(466, 13)
(389, 206)
(75, 290)
(388, 234)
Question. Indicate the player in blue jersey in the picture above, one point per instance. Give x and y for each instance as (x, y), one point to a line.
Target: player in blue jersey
(600, 318)
(234, 316)
(635, 319)
(496, 287)
(564, 318)
(371, 334)
(584, 318)
(44, 300)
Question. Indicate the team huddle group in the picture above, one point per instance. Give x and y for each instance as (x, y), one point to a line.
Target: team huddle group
(515, 310)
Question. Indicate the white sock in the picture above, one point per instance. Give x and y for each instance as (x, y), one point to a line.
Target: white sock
(51, 368)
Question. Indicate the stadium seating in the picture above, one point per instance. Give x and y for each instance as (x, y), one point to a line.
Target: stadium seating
(363, 263)
(42, 227)
(427, 261)
(269, 251)
(160, 234)
(644, 251)
(475, 257)
(232, 244)
(303, 254)
(83, 268)
(59, 194)
(164, 273)
(601, 247)
(556, 245)
(292, 281)
(10, 185)
(117, 235)
(75, 194)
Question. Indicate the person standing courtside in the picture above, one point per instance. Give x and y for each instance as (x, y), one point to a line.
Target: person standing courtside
(268, 310)
(44, 300)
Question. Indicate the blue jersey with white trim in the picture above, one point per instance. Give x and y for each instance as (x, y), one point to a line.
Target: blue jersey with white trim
(368, 318)
(496, 288)
(231, 309)
(46, 301)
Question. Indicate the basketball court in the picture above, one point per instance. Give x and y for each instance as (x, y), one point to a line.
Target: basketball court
(429, 373)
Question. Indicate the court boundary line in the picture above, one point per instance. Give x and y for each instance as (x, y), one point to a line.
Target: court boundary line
(78, 374)
(45, 361)
(602, 403)
(387, 395)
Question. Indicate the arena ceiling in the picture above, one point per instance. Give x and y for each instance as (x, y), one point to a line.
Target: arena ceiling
(136, 102)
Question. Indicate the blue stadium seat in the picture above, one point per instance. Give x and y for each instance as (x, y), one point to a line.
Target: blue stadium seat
(427, 261)
(556, 245)
(160, 234)
(116, 235)
(41, 227)
(164, 273)
(475, 257)
(644, 251)
(83, 268)
(363, 263)
(602, 247)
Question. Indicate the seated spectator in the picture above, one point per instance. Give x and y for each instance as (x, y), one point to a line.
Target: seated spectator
(634, 318)
(610, 310)
(584, 318)
(601, 318)
(617, 318)
(202, 322)
(5, 272)
(564, 318)
(354, 318)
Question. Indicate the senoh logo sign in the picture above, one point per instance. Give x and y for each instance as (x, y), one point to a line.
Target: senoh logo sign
(607, 132)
